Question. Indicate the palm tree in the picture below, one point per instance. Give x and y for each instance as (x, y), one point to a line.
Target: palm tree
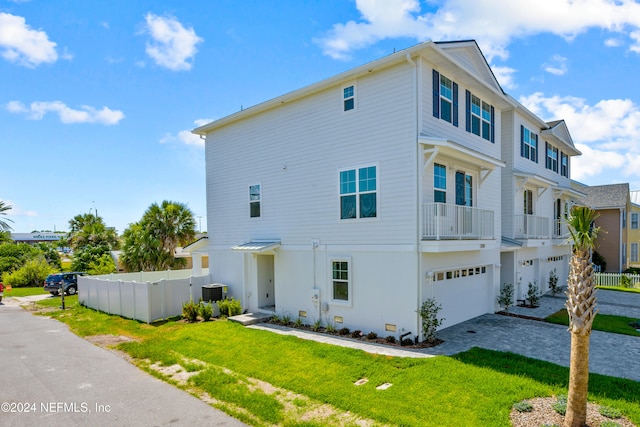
(581, 306)
(150, 245)
(3, 211)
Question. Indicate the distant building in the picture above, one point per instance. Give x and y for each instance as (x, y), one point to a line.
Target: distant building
(37, 237)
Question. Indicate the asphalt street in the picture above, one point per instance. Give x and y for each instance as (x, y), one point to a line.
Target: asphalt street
(51, 377)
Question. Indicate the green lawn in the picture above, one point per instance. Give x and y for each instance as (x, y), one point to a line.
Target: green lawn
(618, 288)
(474, 388)
(602, 322)
(24, 292)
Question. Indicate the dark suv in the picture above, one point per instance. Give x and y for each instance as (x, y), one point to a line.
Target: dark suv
(68, 281)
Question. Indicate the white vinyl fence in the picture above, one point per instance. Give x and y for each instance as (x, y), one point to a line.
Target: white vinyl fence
(147, 297)
(613, 279)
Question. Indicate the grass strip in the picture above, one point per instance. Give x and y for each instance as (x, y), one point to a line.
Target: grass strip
(602, 322)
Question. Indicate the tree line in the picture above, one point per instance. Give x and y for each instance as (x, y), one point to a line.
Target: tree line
(147, 245)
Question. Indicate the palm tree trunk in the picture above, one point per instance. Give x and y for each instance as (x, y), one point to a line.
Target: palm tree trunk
(576, 415)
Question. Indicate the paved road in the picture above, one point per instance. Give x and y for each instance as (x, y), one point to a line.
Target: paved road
(62, 379)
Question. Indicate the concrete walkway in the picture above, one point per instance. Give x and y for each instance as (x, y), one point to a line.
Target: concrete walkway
(51, 377)
(610, 354)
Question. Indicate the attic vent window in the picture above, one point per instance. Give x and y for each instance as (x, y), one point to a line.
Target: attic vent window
(349, 98)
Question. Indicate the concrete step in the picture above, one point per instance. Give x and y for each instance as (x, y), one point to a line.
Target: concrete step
(250, 318)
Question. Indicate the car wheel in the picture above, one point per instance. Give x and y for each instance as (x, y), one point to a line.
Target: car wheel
(71, 290)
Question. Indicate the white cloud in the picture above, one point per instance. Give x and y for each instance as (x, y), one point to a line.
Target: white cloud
(186, 137)
(605, 133)
(462, 19)
(67, 115)
(172, 46)
(23, 45)
(557, 65)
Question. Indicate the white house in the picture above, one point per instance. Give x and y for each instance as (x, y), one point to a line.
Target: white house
(354, 199)
(537, 196)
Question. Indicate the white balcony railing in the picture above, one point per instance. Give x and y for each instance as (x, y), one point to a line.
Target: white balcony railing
(560, 230)
(442, 221)
(531, 227)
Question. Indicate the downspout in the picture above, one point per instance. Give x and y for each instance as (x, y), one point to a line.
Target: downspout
(419, 172)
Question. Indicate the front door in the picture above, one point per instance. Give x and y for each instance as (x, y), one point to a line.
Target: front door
(266, 282)
(464, 197)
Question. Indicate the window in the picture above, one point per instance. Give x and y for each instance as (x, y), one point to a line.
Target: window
(480, 117)
(528, 144)
(528, 202)
(634, 252)
(634, 220)
(552, 157)
(349, 98)
(340, 279)
(439, 183)
(445, 98)
(564, 165)
(254, 201)
(624, 218)
(358, 195)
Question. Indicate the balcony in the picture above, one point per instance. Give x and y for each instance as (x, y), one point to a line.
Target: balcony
(442, 221)
(560, 229)
(531, 227)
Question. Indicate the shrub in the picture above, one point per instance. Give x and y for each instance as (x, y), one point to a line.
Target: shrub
(344, 331)
(610, 412)
(609, 424)
(356, 334)
(505, 299)
(390, 339)
(372, 336)
(430, 322)
(407, 341)
(205, 310)
(316, 325)
(599, 261)
(625, 281)
(190, 311)
(331, 328)
(298, 323)
(553, 282)
(32, 273)
(523, 406)
(560, 406)
(286, 319)
(229, 307)
(533, 294)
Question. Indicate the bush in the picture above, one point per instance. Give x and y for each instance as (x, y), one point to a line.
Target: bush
(523, 406)
(205, 311)
(32, 273)
(533, 294)
(344, 331)
(372, 336)
(407, 342)
(599, 260)
(625, 281)
(190, 311)
(505, 299)
(229, 307)
(609, 412)
(430, 322)
(316, 325)
(356, 334)
(390, 339)
(553, 282)
(560, 406)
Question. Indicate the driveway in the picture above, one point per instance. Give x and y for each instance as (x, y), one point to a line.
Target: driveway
(51, 377)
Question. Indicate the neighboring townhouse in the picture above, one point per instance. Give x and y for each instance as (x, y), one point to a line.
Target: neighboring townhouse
(536, 197)
(633, 235)
(356, 198)
(613, 204)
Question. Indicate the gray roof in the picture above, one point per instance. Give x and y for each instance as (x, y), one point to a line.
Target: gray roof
(606, 196)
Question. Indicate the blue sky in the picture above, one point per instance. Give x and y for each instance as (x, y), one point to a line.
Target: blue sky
(97, 98)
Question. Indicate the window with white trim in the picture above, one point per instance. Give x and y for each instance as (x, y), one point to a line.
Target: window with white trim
(552, 157)
(528, 144)
(254, 201)
(564, 165)
(340, 279)
(480, 117)
(445, 98)
(634, 252)
(439, 183)
(349, 97)
(634, 220)
(528, 202)
(358, 193)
